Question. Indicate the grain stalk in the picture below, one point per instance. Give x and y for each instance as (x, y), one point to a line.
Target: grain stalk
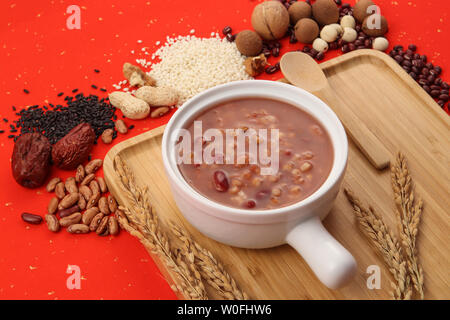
(189, 261)
(408, 212)
(374, 228)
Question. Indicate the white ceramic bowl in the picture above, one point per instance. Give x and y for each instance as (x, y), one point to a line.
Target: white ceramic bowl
(299, 224)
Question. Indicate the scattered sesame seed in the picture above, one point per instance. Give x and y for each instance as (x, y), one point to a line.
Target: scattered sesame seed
(60, 94)
(26, 91)
(96, 70)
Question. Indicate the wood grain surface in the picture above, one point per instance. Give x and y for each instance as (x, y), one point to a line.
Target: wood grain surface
(400, 114)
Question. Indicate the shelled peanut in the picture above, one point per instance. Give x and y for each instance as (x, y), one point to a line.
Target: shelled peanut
(82, 203)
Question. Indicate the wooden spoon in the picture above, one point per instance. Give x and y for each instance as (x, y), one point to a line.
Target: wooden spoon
(302, 71)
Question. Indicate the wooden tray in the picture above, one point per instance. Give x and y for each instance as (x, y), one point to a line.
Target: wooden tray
(399, 113)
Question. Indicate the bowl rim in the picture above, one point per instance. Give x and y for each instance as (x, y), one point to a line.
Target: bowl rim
(208, 99)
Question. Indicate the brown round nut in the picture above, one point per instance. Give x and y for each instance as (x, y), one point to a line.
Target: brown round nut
(87, 179)
(52, 222)
(30, 162)
(102, 184)
(249, 43)
(53, 205)
(69, 211)
(298, 11)
(82, 202)
(112, 203)
(71, 185)
(371, 28)
(88, 215)
(325, 12)
(270, 19)
(306, 30)
(69, 220)
(78, 228)
(80, 174)
(121, 127)
(52, 184)
(93, 166)
(107, 136)
(73, 148)
(68, 201)
(103, 226)
(103, 206)
(86, 192)
(96, 221)
(360, 10)
(113, 226)
(159, 112)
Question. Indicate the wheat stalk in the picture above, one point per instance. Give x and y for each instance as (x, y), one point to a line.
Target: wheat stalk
(387, 244)
(143, 223)
(210, 269)
(408, 213)
(189, 261)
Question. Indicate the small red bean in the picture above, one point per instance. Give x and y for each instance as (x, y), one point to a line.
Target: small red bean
(220, 181)
(31, 218)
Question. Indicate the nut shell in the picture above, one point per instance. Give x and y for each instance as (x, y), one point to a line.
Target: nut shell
(249, 43)
(306, 30)
(299, 10)
(325, 12)
(74, 148)
(376, 32)
(270, 19)
(30, 161)
(360, 9)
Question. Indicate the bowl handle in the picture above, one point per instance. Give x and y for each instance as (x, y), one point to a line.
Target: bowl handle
(329, 260)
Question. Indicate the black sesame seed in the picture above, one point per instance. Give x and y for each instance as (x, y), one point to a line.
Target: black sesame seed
(74, 90)
(13, 108)
(13, 130)
(56, 121)
(4, 119)
(103, 89)
(26, 91)
(94, 86)
(131, 127)
(96, 70)
(60, 94)
(11, 136)
(2, 131)
(89, 157)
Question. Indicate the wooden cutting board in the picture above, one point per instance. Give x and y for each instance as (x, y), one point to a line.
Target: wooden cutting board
(399, 113)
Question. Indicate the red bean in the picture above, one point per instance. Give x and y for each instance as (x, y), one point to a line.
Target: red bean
(31, 218)
(220, 181)
(251, 204)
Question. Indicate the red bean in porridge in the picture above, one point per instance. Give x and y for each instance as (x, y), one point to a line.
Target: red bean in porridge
(305, 155)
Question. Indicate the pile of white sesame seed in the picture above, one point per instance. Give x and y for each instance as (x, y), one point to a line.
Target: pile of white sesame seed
(191, 65)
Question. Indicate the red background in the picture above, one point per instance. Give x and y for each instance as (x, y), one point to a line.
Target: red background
(38, 53)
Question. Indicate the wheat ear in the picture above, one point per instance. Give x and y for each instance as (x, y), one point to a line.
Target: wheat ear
(387, 244)
(409, 212)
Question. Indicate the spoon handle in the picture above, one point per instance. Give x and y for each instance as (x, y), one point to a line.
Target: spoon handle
(365, 140)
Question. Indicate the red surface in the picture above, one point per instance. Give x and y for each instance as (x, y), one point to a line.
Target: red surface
(37, 52)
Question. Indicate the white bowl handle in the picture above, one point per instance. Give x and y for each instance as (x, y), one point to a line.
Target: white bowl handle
(329, 260)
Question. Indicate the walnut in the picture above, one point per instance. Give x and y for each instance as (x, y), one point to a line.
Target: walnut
(136, 77)
(255, 65)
